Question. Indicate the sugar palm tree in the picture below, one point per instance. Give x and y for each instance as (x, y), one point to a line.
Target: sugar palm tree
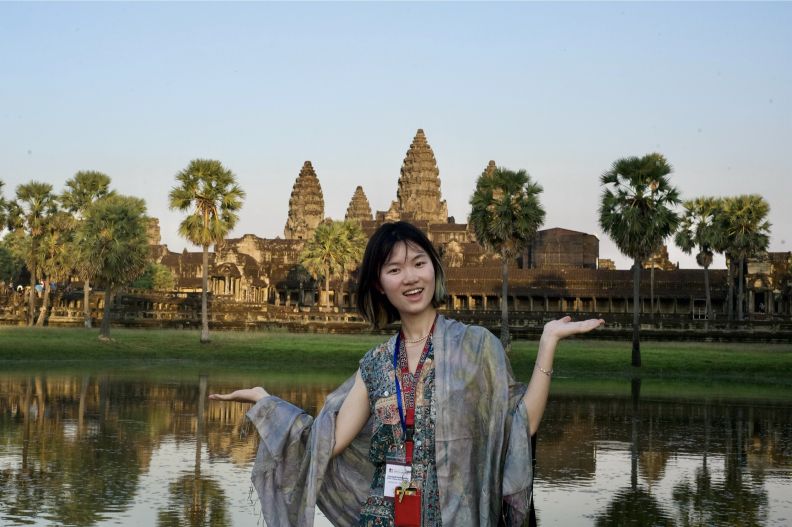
(113, 246)
(747, 233)
(636, 211)
(335, 248)
(28, 216)
(210, 192)
(505, 215)
(82, 190)
(698, 229)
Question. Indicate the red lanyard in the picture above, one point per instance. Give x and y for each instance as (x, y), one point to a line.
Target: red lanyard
(403, 372)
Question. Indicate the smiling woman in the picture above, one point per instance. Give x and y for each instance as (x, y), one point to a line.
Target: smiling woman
(431, 430)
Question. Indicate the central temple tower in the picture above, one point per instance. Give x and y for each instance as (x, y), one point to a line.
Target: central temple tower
(419, 195)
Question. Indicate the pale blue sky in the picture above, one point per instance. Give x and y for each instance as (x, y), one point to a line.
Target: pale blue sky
(136, 90)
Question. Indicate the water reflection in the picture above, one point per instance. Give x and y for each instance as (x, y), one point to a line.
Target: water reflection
(143, 449)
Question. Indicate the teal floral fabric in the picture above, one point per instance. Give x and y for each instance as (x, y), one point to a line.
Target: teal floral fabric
(387, 442)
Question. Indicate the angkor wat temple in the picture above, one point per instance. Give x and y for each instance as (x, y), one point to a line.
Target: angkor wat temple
(258, 282)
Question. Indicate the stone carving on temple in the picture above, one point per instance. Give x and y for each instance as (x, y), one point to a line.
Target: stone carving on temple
(453, 255)
(359, 209)
(418, 196)
(306, 205)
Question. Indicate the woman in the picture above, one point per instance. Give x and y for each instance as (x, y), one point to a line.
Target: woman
(432, 415)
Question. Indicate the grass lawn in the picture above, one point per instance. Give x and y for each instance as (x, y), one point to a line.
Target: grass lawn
(280, 351)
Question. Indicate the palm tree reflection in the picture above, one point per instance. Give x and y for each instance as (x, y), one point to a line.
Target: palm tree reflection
(735, 501)
(196, 500)
(634, 505)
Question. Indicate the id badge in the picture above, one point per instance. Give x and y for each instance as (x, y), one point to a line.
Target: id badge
(395, 475)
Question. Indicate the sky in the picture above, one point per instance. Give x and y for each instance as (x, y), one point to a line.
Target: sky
(562, 90)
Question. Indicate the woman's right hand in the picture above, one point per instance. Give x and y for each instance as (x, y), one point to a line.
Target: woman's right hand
(248, 395)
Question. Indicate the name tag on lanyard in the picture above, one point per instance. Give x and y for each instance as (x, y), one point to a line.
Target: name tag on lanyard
(396, 475)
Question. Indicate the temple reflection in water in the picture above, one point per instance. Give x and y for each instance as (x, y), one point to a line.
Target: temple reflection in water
(93, 449)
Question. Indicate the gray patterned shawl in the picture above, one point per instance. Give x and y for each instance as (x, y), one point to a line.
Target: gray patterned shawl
(482, 444)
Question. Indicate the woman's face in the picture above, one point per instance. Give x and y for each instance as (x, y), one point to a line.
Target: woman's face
(408, 279)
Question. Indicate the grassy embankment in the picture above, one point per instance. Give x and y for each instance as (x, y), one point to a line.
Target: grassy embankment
(596, 363)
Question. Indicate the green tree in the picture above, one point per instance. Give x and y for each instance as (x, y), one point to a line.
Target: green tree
(698, 229)
(747, 233)
(28, 215)
(335, 248)
(3, 208)
(81, 192)
(113, 246)
(505, 215)
(157, 277)
(58, 257)
(10, 264)
(636, 211)
(210, 192)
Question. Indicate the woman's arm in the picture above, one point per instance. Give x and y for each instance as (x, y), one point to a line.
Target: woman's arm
(248, 395)
(351, 417)
(535, 398)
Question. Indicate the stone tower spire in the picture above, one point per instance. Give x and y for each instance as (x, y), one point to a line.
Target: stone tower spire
(419, 195)
(490, 169)
(306, 205)
(359, 208)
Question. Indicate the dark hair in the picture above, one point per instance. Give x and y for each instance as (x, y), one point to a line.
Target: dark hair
(372, 304)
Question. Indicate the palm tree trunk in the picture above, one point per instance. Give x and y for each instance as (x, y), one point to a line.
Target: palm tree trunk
(730, 297)
(32, 298)
(87, 303)
(104, 328)
(327, 288)
(44, 305)
(651, 291)
(708, 295)
(204, 287)
(504, 336)
(636, 344)
(740, 288)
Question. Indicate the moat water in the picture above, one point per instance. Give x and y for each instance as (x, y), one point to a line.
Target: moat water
(144, 447)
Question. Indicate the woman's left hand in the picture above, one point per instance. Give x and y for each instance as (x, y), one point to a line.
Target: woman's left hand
(564, 327)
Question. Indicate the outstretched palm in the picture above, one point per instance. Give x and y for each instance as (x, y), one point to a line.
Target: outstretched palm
(565, 327)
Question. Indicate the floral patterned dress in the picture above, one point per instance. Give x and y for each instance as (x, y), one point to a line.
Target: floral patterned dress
(387, 443)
